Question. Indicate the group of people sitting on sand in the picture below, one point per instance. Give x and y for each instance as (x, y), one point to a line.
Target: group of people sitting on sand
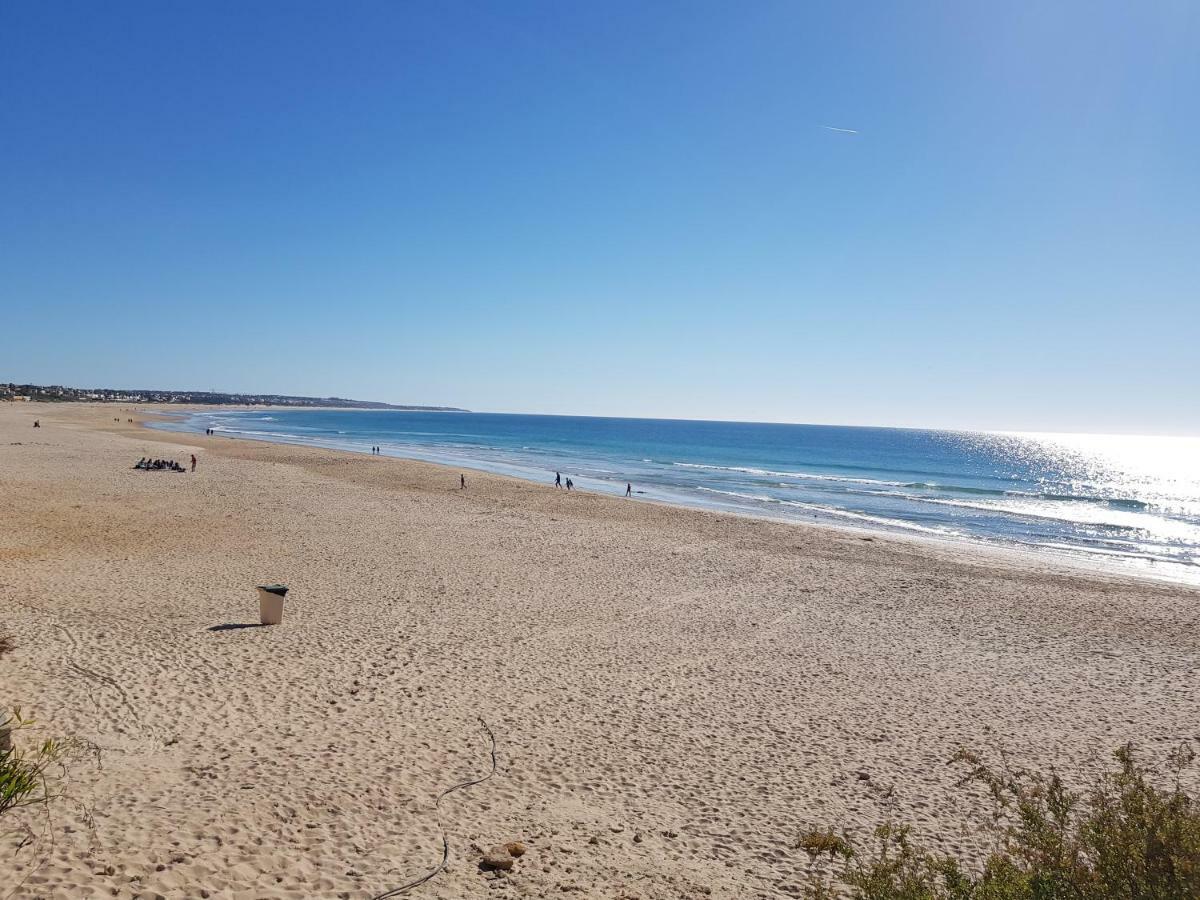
(154, 465)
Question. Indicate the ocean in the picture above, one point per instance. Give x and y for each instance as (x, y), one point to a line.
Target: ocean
(1109, 501)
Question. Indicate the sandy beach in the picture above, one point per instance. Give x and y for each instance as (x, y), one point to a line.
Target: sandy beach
(675, 695)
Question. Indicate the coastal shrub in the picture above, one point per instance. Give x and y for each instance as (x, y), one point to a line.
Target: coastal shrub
(817, 843)
(1125, 838)
(28, 776)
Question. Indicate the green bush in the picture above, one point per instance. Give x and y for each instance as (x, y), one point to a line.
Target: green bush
(1123, 839)
(28, 776)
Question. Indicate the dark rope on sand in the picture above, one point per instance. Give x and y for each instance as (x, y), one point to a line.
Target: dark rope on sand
(397, 891)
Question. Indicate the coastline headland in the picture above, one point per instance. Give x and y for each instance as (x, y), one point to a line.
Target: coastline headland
(35, 393)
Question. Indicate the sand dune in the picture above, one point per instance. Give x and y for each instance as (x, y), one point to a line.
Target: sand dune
(675, 694)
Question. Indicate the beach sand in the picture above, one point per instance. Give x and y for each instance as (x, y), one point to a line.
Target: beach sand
(675, 694)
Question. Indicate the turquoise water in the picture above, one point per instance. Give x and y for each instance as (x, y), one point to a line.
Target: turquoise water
(1125, 501)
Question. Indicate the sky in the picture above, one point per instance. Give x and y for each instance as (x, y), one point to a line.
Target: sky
(939, 214)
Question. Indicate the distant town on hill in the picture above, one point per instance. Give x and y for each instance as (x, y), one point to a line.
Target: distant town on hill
(56, 393)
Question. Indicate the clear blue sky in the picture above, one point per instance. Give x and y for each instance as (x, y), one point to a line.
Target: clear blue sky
(613, 208)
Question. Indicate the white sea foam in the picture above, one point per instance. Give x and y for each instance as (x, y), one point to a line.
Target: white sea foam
(835, 511)
(1081, 513)
(769, 473)
(876, 520)
(761, 498)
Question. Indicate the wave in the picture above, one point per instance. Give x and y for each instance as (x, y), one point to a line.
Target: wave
(748, 470)
(1137, 554)
(1084, 514)
(1115, 502)
(841, 513)
(955, 488)
(759, 497)
(1126, 503)
(256, 433)
(1079, 515)
(875, 520)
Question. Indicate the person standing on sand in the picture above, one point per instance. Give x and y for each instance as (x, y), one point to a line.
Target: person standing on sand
(628, 489)
(462, 482)
(193, 462)
(569, 482)
(557, 477)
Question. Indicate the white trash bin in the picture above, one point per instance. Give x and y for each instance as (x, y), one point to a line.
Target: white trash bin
(270, 603)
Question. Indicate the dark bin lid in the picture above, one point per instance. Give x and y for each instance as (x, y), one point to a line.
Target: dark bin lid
(280, 589)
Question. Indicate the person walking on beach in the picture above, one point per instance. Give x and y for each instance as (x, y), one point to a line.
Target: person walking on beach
(628, 489)
(462, 482)
(193, 462)
(570, 483)
(557, 476)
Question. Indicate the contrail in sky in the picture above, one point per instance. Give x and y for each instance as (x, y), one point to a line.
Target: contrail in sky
(840, 130)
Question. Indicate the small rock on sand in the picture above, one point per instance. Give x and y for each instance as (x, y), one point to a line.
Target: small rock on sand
(497, 859)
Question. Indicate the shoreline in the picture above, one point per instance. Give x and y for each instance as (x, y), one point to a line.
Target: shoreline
(675, 694)
(1071, 561)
